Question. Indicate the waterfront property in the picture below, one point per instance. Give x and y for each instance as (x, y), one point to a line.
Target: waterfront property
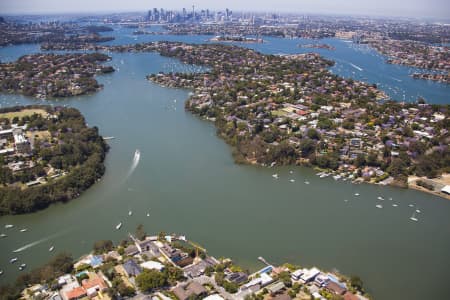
(120, 274)
(42, 148)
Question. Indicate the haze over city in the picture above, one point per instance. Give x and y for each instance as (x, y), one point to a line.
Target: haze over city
(414, 8)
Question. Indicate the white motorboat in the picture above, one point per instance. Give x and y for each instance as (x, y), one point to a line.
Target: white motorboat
(51, 248)
(13, 260)
(130, 213)
(9, 226)
(24, 230)
(292, 180)
(118, 226)
(22, 266)
(413, 217)
(356, 194)
(379, 206)
(275, 176)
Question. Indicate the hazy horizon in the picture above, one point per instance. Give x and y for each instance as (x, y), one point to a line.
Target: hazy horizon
(437, 9)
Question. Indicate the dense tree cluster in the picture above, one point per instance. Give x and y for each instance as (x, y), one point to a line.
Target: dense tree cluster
(75, 149)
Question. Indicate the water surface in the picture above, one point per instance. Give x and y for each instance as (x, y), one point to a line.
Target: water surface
(187, 181)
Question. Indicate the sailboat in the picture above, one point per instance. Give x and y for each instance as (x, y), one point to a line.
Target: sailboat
(413, 217)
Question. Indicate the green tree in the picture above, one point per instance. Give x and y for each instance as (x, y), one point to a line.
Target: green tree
(140, 232)
(356, 282)
(313, 134)
(103, 246)
(150, 279)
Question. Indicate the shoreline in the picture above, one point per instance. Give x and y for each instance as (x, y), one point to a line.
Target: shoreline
(412, 183)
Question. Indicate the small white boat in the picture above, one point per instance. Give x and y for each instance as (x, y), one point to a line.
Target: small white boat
(345, 200)
(148, 214)
(356, 194)
(118, 226)
(379, 206)
(413, 217)
(380, 198)
(292, 180)
(24, 230)
(290, 172)
(51, 248)
(418, 211)
(9, 226)
(390, 198)
(394, 205)
(337, 177)
(130, 213)
(3, 235)
(306, 182)
(275, 176)
(22, 266)
(411, 205)
(13, 260)
(1, 272)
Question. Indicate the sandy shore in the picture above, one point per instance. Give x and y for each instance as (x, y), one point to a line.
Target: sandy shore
(439, 183)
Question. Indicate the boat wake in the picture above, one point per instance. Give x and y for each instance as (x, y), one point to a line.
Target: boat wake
(135, 163)
(25, 247)
(356, 67)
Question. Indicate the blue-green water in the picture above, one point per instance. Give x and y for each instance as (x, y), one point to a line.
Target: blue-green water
(187, 181)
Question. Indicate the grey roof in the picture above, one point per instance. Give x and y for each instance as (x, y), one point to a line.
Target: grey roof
(132, 268)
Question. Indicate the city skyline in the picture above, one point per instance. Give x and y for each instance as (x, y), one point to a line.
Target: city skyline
(418, 9)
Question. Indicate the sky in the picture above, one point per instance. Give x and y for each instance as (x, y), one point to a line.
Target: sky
(402, 8)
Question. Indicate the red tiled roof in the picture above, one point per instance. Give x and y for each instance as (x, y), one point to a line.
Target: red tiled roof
(350, 296)
(76, 293)
(97, 280)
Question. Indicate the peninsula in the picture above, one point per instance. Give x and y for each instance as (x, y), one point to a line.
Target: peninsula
(290, 109)
(53, 75)
(47, 155)
(172, 267)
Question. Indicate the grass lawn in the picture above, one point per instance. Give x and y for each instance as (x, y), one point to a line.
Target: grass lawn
(22, 113)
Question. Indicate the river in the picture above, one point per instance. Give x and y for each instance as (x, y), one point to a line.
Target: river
(188, 183)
